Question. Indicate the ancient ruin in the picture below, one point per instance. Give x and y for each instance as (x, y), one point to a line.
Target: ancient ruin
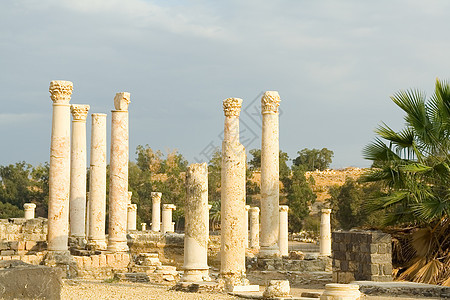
(156, 211)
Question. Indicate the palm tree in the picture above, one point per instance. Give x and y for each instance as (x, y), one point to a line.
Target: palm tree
(413, 166)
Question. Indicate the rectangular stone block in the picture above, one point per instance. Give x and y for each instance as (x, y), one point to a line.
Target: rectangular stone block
(381, 258)
(102, 260)
(7, 252)
(79, 262)
(95, 261)
(87, 262)
(29, 245)
(110, 260)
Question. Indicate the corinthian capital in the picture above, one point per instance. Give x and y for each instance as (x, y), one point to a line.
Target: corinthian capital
(270, 102)
(121, 101)
(232, 107)
(79, 111)
(156, 196)
(60, 91)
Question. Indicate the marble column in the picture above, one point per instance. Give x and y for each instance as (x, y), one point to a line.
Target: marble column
(196, 235)
(118, 184)
(87, 215)
(269, 175)
(77, 199)
(131, 217)
(59, 174)
(325, 232)
(284, 231)
(232, 250)
(254, 228)
(156, 211)
(143, 226)
(97, 183)
(29, 210)
(247, 207)
(167, 217)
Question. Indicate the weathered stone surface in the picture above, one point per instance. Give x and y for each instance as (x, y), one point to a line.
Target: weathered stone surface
(22, 281)
(277, 288)
(156, 211)
(325, 232)
(254, 228)
(284, 233)
(336, 291)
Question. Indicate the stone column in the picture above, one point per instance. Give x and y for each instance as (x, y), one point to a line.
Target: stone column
(156, 211)
(59, 174)
(29, 210)
(143, 226)
(232, 250)
(87, 215)
(325, 233)
(131, 217)
(269, 175)
(247, 207)
(254, 227)
(196, 224)
(130, 194)
(167, 217)
(97, 183)
(77, 200)
(118, 184)
(284, 231)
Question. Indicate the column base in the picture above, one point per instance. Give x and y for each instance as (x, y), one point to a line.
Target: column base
(118, 247)
(230, 281)
(269, 252)
(97, 245)
(196, 275)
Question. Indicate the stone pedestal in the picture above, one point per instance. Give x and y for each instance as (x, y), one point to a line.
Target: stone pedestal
(196, 233)
(156, 211)
(247, 207)
(254, 228)
(167, 225)
(77, 202)
(284, 231)
(232, 250)
(143, 226)
(325, 233)
(118, 188)
(269, 175)
(59, 174)
(29, 210)
(337, 291)
(97, 183)
(131, 217)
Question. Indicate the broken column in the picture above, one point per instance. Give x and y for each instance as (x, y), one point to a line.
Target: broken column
(196, 224)
(77, 200)
(325, 232)
(156, 211)
(59, 173)
(143, 226)
(247, 207)
(118, 186)
(232, 249)
(284, 233)
(29, 210)
(131, 217)
(97, 183)
(254, 228)
(269, 175)
(167, 218)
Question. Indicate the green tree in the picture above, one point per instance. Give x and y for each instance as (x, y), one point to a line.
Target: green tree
(413, 166)
(314, 159)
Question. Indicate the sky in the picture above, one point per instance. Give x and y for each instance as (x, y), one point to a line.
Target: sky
(335, 65)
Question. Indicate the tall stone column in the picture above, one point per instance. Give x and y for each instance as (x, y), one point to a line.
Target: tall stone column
(269, 175)
(29, 210)
(118, 184)
(77, 200)
(87, 215)
(97, 183)
(156, 211)
(131, 217)
(247, 207)
(232, 250)
(284, 231)
(254, 228)
(325, 232)
(196, 233)
(59, 174)
(167, 217)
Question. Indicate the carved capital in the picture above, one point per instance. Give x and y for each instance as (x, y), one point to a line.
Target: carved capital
(60, 91)
(326, 211)
(79, 111)
(254, 209)
(232, 107)
(284, 208)
(247, 207)
(169, 206)
(29, 206)
(132, 207)
(270, 102)
(156, 196)
(121, 101)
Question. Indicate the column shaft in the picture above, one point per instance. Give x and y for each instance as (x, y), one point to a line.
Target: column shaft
(156, 211)
(254, 228)
(97, 183)
(196, 233)
(247, 207)
(167, 218)
(29, 210)
(325, 233)
(284, 233)
(131, 217)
